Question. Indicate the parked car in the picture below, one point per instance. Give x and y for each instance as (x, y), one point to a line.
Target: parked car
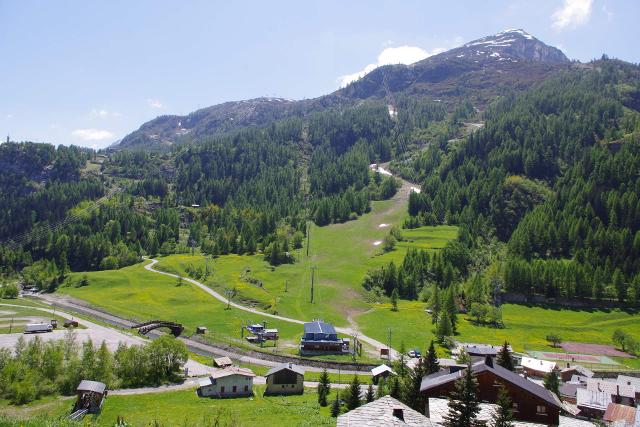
(414, 353)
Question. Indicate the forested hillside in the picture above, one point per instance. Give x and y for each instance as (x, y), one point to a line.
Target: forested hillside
(554, 173)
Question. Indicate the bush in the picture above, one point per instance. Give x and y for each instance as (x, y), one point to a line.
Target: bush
(9, 290)
(389, 243)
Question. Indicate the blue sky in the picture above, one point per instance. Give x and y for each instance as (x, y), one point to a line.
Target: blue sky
(89, 72)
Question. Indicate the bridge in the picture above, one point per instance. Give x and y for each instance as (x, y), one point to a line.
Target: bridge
(146, 327)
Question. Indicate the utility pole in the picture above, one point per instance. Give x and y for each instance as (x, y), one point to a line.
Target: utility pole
(389, 344)
(308, 238)
(313, 271)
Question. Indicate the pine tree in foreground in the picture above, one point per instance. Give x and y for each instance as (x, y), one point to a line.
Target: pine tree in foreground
(352, 399)
(324, 387)
(431, 364)
(552, 383)
(503, 416)
(463, 402)
(504, 358)
(382, 389)
(411, 395)
(335, 406)
(370, 396)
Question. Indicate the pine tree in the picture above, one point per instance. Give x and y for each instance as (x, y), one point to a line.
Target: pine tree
(503, 416)
(450, 307)
(352, 399)
(436, 304)
(411, 395)
(394, 387)
(335, 406)
(394, 300)
(552, 383)
(382, 389)
(370, 395)
(431, 364)
(324, 387)
(444, 328)
(463, 402)
(504, 358)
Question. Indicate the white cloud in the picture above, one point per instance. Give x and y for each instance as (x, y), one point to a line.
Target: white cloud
(391, 55)
(154, 103)
(572, 14)
(104, 113)
(92, 134)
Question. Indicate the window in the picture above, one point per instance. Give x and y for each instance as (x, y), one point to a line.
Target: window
(246, 388)
(222, 390)
(541, 409)
(234, 389)
(515, 407)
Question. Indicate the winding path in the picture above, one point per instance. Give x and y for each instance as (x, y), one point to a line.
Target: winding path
(375, 343)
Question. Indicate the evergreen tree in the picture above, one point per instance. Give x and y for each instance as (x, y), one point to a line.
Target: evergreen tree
(443, 327)
(324, 387)
(370, 395)
(464, 405)
(335, 406)
(504, 358)
(435, 303)
(394, 299)
(412, 396)
(552, 383)
(431, 364)
(450, 307)
(503, 416)
(352, 399)
(394, 387)
(382, 389)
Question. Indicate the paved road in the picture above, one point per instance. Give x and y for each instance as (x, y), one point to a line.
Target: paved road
(347, 331)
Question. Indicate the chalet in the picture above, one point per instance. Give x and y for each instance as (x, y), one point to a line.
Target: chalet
(592, 403)
(569, 372)
(531, 402)
(321, 338)
(385, 411)
(228, 382)
(285, 379)
(537, 367)
(479, 350)
(382, 371)
(439, 408)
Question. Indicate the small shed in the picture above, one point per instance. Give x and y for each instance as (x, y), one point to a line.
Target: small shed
(201, 330)
(90, 396)
(570, 371)
(229, 382)
(285, 379)
(382, 371)
(222, 362)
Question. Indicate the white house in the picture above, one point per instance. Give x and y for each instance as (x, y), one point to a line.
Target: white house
(229, 382)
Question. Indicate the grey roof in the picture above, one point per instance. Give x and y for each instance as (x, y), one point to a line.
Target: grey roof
(627, 380)
(318, 327)
(379, 413)
(290, 366)
(434, 380)
(569, 389)
(581, 370)
(96, 386)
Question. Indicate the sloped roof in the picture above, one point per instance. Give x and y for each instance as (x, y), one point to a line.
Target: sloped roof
(95, 386)
(581, 370)
(434, 380)
(538, 364)
(380, 369)
(617, 412)
(627, 380)
(611, 387)
(379, 413)
(223, 361)
(233, 370)
(290, 366)
(318, 327)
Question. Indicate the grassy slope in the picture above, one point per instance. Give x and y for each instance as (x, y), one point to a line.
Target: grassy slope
(185, 408)
(7, 313)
